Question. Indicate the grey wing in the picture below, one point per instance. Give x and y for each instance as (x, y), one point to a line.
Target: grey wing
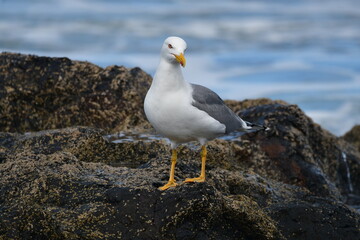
(209, 102)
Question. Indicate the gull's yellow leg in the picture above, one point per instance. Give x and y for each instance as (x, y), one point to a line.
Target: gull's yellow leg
(171, 182)
(203, 162)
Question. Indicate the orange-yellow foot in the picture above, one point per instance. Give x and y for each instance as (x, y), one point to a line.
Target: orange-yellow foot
(198, 179)
(168, 185)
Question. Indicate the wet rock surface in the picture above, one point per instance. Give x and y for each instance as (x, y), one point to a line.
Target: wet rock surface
(295, 181)
(300, 152)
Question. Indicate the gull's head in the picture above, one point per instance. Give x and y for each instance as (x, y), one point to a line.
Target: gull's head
(173, 50)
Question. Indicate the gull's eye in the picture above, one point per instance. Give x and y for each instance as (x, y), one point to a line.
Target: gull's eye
(170, 46)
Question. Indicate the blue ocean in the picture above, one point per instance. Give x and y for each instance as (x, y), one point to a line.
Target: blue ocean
(304, 52)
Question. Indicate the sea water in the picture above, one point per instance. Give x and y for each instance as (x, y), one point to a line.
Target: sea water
(304, 52)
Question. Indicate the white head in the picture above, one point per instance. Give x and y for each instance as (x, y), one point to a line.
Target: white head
(173, 50)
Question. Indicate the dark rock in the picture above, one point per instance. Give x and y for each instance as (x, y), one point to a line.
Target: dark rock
(316, 218)
(298, 151)
(291, 182)
(87, 144)
(353, 136)
(55, 184)
(237, 106)
(57, 196)
(38, 93)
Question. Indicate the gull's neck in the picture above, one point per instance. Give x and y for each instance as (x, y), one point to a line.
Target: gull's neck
(168, 76)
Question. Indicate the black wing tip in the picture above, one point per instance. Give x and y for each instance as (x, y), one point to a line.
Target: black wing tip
(257, 127)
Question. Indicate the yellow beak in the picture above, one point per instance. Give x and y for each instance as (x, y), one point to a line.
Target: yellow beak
(181, 59)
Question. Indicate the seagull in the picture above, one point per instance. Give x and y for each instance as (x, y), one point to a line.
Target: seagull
(185, 112)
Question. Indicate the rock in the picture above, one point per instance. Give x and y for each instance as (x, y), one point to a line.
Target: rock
(353, 136)
(57, 196)
(237, 106)
(38, 93)
(58, 184)
(87, 144)
(286, 153)
(65, 182)
(297, 151)
(316, 218)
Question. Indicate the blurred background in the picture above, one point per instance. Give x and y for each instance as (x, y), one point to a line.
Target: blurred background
(305, 52)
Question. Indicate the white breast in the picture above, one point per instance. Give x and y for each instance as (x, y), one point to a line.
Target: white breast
(173, 116)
